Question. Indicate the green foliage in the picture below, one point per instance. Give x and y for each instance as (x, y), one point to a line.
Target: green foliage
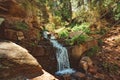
(113, 6)
(106, 3)
(21, 26)
(41, 1)
(83, 27)
(95, 10)
(50, 26)
(60, 8)
(63, 34)
(92, 51)
(87, 15)
(78, 39)
(26, 4)
(66, 10)
(116, 11)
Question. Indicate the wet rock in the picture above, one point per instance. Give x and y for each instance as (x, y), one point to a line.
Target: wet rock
(67, 77)
(64, 77)
(16, 61)
(92, 70)
(78, 75)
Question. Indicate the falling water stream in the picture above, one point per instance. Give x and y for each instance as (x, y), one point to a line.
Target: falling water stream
(61, 56)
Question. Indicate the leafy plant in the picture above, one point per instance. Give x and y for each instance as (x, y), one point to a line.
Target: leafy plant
(82, 38)
(116, 11)
(50, 26)
(77, 27)
(78, 39)
(63, 34)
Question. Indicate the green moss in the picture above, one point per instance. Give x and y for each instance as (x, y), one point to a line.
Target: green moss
(92, 51)
(21, 26)
(32, 44)
(38, 36)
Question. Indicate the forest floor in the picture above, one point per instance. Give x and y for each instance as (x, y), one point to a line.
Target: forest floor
(108, 58)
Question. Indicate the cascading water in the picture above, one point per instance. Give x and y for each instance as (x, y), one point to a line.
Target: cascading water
(61, 56)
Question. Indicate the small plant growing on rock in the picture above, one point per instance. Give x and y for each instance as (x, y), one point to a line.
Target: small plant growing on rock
(21, 26)
(92, 51)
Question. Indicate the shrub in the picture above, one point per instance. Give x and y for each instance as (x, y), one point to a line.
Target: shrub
(78, 39)
(63, 34)
(84, 27)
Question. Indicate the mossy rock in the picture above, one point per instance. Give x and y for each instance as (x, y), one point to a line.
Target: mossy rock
(21, 26)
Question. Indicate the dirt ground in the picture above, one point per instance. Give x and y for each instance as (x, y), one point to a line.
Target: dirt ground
(108, 58)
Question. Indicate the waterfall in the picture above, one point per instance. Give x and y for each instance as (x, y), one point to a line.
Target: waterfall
(61, 56)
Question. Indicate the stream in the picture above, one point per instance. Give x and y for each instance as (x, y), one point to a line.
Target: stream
(61, 56)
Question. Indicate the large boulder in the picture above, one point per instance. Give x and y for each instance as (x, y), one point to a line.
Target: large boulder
(45, 76)
(16, 61)
(78, 50)
(11, 8)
